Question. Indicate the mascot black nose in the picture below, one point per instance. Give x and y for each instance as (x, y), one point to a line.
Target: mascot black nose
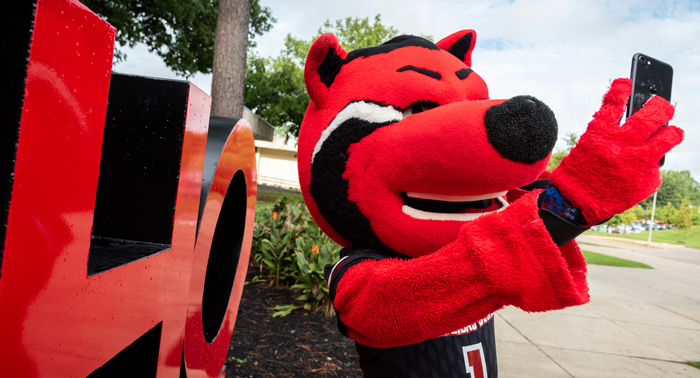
(522, 129)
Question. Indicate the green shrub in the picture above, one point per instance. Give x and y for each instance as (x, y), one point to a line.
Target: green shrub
(293, 251)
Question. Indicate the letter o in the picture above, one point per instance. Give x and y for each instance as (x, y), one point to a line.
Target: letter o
(221, 253)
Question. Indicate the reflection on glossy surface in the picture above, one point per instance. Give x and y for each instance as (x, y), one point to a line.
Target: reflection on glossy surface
(203, 358)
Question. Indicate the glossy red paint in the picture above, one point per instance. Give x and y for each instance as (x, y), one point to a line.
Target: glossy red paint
(204, 359)
(55, 319)
(48, 306)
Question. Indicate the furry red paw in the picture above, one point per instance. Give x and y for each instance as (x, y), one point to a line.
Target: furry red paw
(614, 167)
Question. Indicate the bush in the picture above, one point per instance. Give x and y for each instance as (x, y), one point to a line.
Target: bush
(293, 251)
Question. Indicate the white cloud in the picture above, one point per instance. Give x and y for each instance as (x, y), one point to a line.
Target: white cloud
(564, 52)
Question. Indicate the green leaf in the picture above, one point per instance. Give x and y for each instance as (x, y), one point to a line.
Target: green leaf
(302, 263)
(255, 280)
(283, 310)
(270, 264)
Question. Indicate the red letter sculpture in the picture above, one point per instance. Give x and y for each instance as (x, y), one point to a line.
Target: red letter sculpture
(118, 257)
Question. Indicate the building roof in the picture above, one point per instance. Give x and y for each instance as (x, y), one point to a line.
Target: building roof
(261, 129)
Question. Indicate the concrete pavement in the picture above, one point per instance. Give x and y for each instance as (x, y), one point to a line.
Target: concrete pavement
(639, 323)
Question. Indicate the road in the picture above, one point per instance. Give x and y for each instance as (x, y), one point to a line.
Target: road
(674, 281)
(639, 322)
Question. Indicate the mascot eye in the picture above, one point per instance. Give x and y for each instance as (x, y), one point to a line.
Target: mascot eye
(418, 107)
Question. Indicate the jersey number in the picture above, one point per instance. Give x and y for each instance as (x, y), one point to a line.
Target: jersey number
(474, 361)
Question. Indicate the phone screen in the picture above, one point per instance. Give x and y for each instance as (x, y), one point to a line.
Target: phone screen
(649, 77)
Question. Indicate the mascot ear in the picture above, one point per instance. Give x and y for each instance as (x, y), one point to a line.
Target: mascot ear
(322, 65)
(460, 44)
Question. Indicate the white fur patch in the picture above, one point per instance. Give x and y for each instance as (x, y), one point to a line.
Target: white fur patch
(448, 198)
(366, 111)
(462, 217)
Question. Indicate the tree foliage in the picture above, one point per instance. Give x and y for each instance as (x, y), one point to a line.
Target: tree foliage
(555, 160)
(275, 88)
(629, 216)
(616, 220)
(640, 212)
(352, 33)
(676, 186)
(182, 33)
(684, 217)
(667, 213)
(570, 139)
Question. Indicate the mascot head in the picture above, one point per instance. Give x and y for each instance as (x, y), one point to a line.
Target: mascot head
(401, 145)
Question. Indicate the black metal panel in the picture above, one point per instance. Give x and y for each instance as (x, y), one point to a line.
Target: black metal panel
(16, 28)
(139, 170)
(223, 256)
(219, 130)
(138, 360)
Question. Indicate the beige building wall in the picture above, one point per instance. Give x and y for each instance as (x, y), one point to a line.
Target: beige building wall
(277, 163)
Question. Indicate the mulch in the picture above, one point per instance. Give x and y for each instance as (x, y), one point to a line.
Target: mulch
(300, 345)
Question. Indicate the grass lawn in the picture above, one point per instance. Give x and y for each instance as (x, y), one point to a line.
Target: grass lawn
(601, 259)
(691, 238)
(267, 194)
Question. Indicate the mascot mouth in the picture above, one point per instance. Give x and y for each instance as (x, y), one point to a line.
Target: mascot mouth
(456, 208)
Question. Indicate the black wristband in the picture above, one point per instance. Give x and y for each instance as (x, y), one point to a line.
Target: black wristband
(537, 184)
(561, 230)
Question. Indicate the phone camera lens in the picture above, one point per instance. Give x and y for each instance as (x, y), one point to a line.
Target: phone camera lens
(642, 59)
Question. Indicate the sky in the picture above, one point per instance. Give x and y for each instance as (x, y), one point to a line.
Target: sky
(563, 52)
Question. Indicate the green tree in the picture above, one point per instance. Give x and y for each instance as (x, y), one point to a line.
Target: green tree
(570, 139)
(676, 186)
(684, 217)
(615, 221)
(352, 33)
(667, 213)
(628, 216)
(274, 89)
(182, 33)
(640, 212)
(555, 160)
(275, 86)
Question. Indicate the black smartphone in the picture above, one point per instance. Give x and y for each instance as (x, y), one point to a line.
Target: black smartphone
(649, 77)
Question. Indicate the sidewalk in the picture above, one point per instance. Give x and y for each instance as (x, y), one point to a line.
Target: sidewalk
(639, 323)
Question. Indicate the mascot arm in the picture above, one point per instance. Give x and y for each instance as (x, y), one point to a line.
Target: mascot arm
(505, 258)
